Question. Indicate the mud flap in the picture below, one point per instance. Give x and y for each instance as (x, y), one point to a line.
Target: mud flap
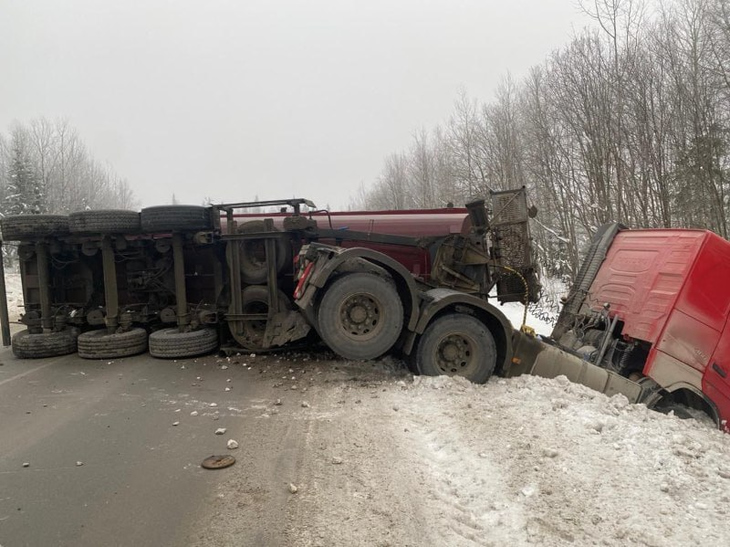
(553, 362)
(286, 326)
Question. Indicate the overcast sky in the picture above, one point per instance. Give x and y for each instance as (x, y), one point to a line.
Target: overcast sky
(237, 99)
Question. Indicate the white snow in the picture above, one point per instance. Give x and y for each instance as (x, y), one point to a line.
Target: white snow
(14, 291)
(541, 316)
(519, 461)
(547, 462)
(515, 313)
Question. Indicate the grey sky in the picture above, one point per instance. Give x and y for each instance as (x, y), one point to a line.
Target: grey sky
(233, 99)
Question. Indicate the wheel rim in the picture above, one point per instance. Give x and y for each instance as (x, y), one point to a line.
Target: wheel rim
(360, 316)
(455, 355)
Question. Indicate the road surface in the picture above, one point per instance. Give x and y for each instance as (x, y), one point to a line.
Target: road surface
(113, 450)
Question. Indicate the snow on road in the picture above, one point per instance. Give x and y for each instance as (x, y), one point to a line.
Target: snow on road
(380, 457)
(547, 462)
(524, 461)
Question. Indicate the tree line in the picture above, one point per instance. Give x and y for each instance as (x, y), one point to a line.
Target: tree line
(45, 167)
(628, 122)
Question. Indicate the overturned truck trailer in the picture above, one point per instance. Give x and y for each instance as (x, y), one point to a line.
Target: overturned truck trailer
(187, 280)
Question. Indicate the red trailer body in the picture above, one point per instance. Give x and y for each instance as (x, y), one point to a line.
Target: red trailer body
(416, 223)
(412, 222)
(670, 288)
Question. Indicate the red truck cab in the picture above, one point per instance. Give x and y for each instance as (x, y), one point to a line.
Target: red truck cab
(664, 296)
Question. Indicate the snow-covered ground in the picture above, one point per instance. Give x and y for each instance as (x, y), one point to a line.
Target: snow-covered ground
(379, 457)
(14, 291)
(550, 462)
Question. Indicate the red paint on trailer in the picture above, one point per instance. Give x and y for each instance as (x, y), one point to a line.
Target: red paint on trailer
(414, 223)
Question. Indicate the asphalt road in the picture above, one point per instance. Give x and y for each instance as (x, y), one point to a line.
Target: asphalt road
(108, 465)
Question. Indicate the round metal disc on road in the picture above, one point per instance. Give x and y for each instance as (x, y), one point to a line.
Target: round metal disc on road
(218, 462)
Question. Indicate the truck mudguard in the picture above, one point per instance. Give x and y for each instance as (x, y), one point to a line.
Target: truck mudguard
(405, 282)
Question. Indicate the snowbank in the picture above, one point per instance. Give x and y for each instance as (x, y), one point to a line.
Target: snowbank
(549, 462)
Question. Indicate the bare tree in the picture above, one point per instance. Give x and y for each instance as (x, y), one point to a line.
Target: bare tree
(65, 176)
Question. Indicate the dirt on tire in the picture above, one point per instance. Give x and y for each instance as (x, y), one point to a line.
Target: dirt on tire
(29, 227)
(176, 218)
(170, 343)
(99, 344)
(360, 316)
(104, 221)
(26, 345)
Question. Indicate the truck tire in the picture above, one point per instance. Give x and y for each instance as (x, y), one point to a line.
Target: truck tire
(170, 343)
(254, 269)
(255, 299)
(104, 221)
(457, 345)
(176, 218)
(99, 344)
(36, 346)
(25, 227)
(360, 316)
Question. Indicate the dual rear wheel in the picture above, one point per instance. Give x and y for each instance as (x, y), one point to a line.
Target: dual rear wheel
(361, 317)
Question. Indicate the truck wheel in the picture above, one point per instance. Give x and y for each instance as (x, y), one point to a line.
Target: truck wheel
(254, 269)
(176, 218)
(360, 316)
(24, 227)
(170, 343)
(104, 221)
(100, 344)
(36, 346)
(457, 345)
(255, 299)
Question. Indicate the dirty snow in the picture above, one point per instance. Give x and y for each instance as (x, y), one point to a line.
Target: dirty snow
(379, 457)
(535, 461)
